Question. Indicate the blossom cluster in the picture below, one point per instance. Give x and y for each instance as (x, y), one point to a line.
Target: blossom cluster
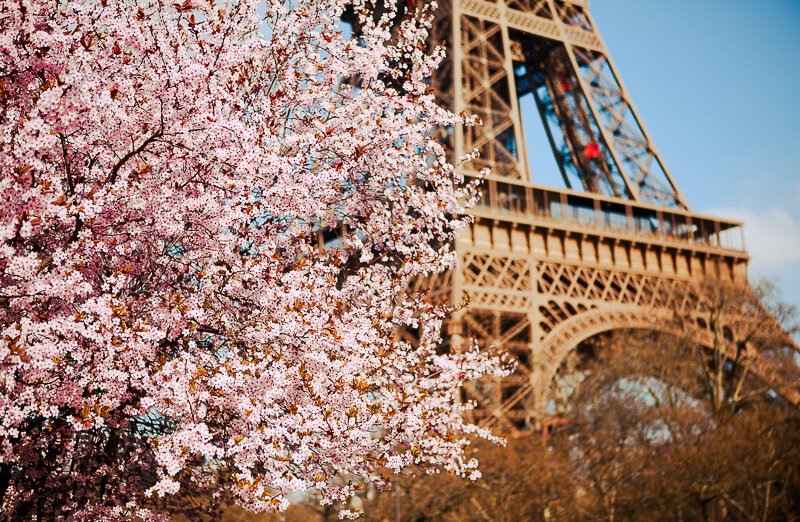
(211, 213)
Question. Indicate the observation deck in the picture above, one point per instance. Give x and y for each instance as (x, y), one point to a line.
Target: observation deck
(652, 237)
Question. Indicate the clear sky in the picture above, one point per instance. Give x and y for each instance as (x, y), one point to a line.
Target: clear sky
(717, 84)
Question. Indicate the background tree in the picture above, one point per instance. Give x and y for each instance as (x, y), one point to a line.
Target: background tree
(738, 329)
(645, 437)
(169, 322)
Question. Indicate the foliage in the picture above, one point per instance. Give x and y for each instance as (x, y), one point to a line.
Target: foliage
(170, 322)
(625, 456)
(655, 426)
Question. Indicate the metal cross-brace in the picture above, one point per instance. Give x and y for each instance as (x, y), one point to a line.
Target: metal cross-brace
(553, 49)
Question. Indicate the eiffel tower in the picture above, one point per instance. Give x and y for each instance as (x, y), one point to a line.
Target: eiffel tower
(544, 268)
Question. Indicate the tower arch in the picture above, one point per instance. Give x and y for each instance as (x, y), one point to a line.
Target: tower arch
(566, 338)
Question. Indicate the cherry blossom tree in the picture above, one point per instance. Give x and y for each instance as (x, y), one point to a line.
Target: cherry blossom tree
(171, 322)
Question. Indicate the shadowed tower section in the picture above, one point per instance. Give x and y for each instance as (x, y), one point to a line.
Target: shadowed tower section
(543, 268)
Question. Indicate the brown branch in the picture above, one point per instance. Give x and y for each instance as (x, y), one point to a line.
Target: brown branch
(76, 230)
(112, 177)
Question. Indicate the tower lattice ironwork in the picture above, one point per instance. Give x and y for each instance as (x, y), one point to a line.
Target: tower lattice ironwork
(545, 268)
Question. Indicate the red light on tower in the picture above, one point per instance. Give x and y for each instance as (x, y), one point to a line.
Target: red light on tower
(565, 86)
(592, 150)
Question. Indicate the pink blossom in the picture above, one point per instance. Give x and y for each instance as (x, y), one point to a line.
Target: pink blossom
(169, 318)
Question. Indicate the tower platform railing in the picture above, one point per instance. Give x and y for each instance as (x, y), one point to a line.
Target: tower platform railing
(513, 200)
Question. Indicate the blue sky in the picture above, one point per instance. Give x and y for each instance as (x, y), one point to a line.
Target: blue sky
(717, 84)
